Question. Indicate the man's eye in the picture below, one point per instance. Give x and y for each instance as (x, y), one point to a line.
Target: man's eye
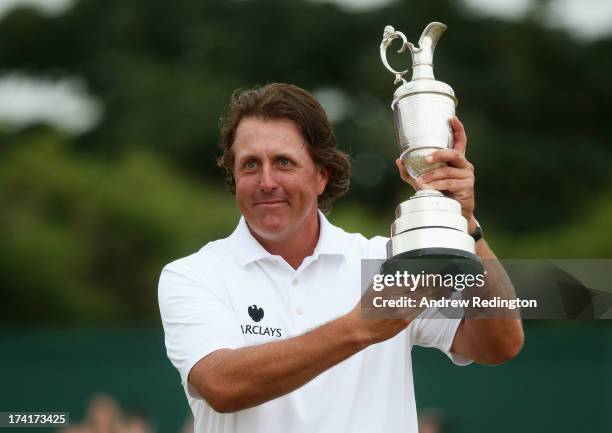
(251, 163)
(284, 162)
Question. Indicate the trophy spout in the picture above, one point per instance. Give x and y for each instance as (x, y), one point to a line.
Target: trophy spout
(422, 59)
(431, 35)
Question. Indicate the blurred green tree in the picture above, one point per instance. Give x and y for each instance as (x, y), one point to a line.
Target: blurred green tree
(85, 240)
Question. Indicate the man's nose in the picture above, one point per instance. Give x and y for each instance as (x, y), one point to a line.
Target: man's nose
(267, 181)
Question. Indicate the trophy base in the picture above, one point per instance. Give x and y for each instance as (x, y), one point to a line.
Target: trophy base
(443, 261)
(430, 236)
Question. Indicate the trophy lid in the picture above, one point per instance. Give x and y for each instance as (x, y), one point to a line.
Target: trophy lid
(423, 86)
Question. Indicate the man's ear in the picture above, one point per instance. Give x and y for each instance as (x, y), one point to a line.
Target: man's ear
(324, 176)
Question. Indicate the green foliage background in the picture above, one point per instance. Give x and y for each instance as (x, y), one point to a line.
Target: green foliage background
(88, 221)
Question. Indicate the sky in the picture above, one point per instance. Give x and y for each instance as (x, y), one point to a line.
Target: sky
(49, 7)
(63, 103)
(584, 19)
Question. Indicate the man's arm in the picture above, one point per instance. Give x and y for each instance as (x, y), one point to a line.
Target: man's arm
(231, 380)
(490, 341)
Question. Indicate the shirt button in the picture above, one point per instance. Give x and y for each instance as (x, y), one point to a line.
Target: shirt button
(295, 282)
(299, 310)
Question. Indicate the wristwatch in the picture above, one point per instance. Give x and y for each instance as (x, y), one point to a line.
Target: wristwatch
(477, 233)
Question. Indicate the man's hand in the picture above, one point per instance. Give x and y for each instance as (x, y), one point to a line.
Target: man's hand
(456, 180)
(378, 321)
(375, 330)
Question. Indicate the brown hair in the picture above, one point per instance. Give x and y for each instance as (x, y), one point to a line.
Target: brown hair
(286, 101)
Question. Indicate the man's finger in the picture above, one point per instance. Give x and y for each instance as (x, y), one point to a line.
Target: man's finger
(445, 173)
(459, 136)
(451, 185)
(451, 157)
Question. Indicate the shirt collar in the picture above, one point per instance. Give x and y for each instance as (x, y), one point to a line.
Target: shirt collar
(246, 249)
(332, 239)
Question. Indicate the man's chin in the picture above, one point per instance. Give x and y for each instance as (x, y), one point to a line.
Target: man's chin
(270, 225)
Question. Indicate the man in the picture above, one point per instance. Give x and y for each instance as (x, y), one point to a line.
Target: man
(265, 325)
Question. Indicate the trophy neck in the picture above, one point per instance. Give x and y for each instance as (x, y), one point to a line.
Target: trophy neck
(427, 192)
(422, 72)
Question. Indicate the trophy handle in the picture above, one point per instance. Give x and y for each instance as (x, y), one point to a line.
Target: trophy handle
(422, 55)
(389, 35)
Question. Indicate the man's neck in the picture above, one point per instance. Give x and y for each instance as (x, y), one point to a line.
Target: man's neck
(300, 245)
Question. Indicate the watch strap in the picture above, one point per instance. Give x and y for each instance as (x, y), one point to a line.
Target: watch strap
(477, 233)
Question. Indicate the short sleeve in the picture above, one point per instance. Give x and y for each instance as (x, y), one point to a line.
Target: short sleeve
(432, 329)
(195, 318)
(377, 248)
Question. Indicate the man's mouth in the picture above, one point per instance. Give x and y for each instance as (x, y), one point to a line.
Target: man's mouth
(271, 202)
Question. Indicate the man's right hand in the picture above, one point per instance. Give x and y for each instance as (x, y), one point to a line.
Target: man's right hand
(379, 324)
(374, 330)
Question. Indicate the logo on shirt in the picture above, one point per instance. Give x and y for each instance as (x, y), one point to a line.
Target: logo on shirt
(256, 313)
(261, 330)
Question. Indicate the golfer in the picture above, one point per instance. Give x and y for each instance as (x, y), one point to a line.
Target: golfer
(265, 326)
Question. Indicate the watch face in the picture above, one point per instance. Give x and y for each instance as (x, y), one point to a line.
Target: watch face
(477, 235)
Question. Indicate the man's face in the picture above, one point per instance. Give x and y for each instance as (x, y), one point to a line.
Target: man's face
(277, 181)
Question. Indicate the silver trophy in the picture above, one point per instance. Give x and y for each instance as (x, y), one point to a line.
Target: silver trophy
(429, 224)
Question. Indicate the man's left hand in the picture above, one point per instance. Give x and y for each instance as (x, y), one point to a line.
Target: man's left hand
(456, 180)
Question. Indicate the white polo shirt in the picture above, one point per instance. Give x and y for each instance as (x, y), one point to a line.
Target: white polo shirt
(233, 293)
